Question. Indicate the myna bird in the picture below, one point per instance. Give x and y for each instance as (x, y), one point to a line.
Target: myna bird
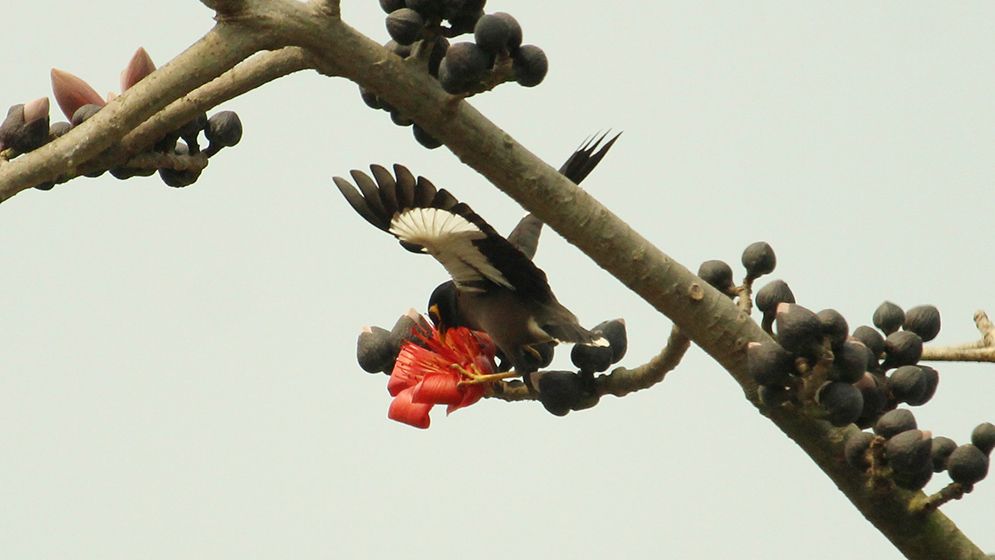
(495, 287)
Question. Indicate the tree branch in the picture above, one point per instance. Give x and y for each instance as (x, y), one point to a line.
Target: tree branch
(982, 350)
(621, 381)
(219, 50)
(246, 76)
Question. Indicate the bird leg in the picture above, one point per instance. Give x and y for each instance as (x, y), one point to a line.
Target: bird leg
(474, 378)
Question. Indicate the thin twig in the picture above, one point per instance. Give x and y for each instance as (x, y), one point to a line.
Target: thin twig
(982, 350)
(745, 294)
(950, 492)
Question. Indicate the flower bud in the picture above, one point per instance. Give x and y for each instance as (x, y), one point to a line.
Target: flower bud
(138, 67)
(224, 129)
(72, 92)
(559, 391)
(758, 259)
(895, 422)
(374, 350)
(924, 320)
(530, 65)
(718, 274)
(888, 317)
(967, 464)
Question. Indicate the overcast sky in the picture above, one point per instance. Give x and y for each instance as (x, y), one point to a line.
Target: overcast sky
(178, 378)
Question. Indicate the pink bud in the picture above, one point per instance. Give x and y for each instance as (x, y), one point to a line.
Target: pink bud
(138, 67)
(37, 109)
(71, 92)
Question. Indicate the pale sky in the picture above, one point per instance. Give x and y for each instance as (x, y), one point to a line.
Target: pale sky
(179, 378)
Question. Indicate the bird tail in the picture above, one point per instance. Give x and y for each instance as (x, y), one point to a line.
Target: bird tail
(525, 236)
(580, 163)
(575, 334)
(562, 325)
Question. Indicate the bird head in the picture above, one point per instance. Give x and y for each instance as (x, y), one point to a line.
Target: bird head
(442, 308)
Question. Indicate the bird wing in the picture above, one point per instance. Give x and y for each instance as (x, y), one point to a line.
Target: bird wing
(429, 220)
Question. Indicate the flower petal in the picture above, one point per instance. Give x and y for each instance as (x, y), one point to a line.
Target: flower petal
(71, 92)
(438, 388)
(403, 410)
(399, 382)
(471, 394)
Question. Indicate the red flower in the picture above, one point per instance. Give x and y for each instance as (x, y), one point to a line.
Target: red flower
(433, 371)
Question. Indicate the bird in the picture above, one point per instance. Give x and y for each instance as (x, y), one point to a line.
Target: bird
(495, 287)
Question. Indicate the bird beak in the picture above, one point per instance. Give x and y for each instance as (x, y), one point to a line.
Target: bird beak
(436, 317)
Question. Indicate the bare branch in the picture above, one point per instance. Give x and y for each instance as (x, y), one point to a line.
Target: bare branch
(621, 381)
(950, 492)
(982, 350)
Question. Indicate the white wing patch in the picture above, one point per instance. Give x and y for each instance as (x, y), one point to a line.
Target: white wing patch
(449, 238)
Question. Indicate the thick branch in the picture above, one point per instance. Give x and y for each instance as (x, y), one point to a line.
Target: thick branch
(328, 7)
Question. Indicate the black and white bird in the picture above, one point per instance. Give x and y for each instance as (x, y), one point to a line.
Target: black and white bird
(495, 286)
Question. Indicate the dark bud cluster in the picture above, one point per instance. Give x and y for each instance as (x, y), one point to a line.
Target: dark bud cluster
(592, 358)
(561, 391)
(862, 374)
(893, 372)
(27, 128)
(422, 29)
(909, 456)
(810, 349)
(222, 130)
(758, 259)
